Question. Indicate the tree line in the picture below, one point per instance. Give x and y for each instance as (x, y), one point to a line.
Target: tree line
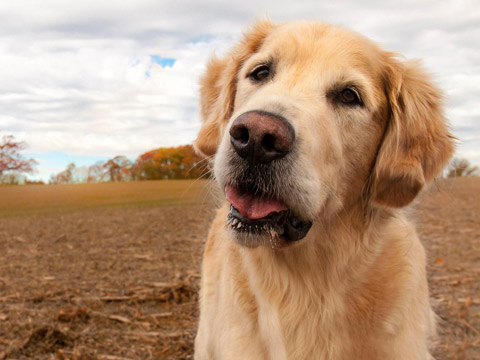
(179, 162)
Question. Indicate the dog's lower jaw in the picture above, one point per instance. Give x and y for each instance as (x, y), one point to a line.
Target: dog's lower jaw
(251, 241)
(267, 239)
(278, 229)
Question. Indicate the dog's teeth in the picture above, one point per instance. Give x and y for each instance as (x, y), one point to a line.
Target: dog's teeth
(234, 222)
(239, 225)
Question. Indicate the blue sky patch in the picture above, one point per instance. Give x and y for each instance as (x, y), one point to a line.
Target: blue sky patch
(51, 163)
(163, 62)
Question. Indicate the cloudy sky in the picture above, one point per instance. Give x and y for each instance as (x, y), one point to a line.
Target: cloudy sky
(82, 81)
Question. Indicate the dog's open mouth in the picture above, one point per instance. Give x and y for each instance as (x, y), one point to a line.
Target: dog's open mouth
(254, 212)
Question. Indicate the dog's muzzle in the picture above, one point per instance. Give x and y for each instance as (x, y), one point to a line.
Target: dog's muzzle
(261, 139)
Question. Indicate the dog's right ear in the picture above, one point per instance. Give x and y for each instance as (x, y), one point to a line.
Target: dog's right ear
(218, 87)
(417, 143)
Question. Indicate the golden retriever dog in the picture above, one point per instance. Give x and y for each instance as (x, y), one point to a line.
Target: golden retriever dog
(317, 139)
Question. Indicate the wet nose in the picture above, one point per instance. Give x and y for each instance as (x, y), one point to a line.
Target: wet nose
(261, 137)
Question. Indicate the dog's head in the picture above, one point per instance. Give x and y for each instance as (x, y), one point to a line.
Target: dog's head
(305, 119)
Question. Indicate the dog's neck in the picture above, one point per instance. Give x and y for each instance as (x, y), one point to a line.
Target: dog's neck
(327, 257)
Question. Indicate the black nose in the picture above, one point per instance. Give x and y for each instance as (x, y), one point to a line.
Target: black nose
(260, 137)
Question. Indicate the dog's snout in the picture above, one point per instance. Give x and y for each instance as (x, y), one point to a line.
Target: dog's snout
(260, 137)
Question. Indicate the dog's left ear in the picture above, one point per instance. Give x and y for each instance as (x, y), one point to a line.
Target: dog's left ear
(218, 87)
(417, 144)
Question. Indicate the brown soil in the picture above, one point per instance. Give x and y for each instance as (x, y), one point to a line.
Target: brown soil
(448, 221)
(122, 282)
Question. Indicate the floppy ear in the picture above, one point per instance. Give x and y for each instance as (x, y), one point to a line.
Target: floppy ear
(218, 87)
(416, 144)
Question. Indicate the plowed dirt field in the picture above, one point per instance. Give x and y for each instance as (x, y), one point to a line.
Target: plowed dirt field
(111, 271)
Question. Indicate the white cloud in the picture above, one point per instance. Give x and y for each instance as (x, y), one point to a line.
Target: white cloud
(94, 97)
(74, 73)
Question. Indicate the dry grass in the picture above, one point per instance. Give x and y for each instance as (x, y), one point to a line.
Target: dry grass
(111, 271)
(41, 199)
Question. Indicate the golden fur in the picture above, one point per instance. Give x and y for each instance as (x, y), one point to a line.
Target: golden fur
(355, 287)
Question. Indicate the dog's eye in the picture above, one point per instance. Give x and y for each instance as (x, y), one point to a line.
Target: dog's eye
(349, 96)
(260, 73)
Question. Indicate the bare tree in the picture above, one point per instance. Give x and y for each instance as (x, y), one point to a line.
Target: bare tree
(66, 176)
(462, 167)
(95, 172)
(10, 157)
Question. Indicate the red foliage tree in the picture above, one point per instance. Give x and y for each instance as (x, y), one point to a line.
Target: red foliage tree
(117, 169)
(10, 157)
(179, 162)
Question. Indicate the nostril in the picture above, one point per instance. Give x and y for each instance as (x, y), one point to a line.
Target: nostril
(240, 134)
(268, 142)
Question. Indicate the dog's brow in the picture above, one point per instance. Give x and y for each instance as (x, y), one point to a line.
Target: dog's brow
(257, 60)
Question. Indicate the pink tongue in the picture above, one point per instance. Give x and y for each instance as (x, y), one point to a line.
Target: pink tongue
(251, 206)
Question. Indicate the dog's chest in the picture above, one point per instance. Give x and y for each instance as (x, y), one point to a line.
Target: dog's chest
(297, 325)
